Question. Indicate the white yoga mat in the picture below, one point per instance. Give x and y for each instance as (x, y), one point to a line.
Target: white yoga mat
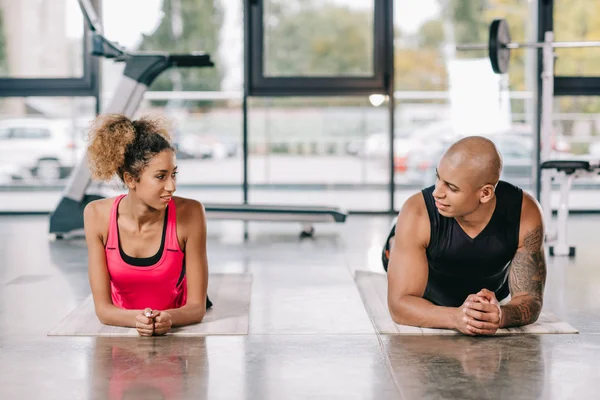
(373, 291)
(229, 293)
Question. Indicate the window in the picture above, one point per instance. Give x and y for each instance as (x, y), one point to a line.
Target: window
(319, 151)
(41, 141)
(43, 50)
(317, 47)
(30, 133)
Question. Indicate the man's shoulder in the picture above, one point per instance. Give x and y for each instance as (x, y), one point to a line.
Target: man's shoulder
(532, 219)
(413, 219)
(530, 208)
(415, 204)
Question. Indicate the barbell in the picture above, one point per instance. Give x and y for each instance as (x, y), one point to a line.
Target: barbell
(499, 45)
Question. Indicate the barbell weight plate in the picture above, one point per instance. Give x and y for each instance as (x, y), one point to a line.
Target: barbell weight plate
(498, 52)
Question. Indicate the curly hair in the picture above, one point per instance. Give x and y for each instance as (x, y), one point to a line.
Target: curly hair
(118, 145)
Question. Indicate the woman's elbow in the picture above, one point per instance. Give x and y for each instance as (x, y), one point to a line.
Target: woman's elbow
(198, 313)
(199, 317)
(102, 314)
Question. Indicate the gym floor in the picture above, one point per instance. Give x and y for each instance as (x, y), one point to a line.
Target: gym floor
(310, 336)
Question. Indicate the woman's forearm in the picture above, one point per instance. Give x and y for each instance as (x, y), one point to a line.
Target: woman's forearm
(187, 315)
(116, 316)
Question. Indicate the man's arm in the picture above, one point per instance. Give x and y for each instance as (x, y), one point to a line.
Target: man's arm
(408, 271)
(527, 276)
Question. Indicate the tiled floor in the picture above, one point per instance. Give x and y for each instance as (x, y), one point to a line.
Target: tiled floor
(310, 336)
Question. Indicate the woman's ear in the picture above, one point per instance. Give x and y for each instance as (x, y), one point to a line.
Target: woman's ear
(129, 181)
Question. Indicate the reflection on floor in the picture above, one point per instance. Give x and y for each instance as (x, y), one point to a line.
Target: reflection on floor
(309, 334)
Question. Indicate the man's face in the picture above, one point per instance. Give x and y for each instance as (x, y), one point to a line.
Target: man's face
(454, 193)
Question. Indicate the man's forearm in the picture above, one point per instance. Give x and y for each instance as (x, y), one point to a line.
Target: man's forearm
(521, 310)
(416, 311)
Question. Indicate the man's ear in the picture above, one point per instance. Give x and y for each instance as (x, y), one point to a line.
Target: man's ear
(487, 193)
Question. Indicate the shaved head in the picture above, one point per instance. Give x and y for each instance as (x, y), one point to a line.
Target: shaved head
(476, 158)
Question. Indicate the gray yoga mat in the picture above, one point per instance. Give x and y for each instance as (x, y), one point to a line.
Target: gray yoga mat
(373, 291)
(229, 293)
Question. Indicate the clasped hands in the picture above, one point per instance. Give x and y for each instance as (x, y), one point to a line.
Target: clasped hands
(480, 314)
(152, 322)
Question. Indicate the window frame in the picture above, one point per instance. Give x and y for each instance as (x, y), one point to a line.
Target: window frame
(257, 84)
(87, 85)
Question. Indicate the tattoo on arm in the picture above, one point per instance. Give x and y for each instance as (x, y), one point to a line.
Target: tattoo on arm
(527, 278)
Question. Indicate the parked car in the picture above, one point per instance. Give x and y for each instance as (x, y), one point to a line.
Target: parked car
(40, 148)
(206, 146)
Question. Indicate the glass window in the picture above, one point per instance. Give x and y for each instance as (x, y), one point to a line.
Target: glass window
(318, 38)
(30, 133)
(179, 26)
(577, 20)
(41, 39)
(444, 94)
(43, 139)
(324, 151)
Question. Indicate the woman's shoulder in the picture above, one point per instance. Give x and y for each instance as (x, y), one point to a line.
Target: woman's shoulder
(96, 215)
(188, 210)
(101, 208)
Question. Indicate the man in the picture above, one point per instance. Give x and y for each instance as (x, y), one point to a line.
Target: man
(466, 244)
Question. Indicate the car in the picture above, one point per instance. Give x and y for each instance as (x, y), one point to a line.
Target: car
(40, 148)
(206, 146)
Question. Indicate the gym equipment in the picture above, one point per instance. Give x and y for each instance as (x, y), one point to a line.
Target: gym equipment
(141, 69)
(499, 45)
(566, 172)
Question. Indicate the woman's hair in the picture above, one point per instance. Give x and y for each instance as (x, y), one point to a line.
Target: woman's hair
(118, 145)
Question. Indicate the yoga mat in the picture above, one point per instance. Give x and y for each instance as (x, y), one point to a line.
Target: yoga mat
(372, 287)
(229, 293)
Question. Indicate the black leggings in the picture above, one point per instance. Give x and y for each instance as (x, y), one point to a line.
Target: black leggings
(385, 254)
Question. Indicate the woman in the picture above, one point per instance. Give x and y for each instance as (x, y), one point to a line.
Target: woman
(147, 260)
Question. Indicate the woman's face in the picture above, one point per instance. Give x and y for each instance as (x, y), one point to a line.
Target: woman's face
(157, 182)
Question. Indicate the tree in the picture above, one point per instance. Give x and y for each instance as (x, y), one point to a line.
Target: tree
(465, 16)
(577, 20)
(431, 34)
(3, 60)
(188, 25)
(306, 38)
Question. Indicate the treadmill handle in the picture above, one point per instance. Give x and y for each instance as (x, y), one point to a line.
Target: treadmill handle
(191, 60)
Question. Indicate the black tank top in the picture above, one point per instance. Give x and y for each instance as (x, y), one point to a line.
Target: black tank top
(459, 265)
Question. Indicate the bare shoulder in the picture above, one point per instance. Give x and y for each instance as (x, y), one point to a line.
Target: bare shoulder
(189, 211)
(531, 230)
(413, 220)
(96, 215)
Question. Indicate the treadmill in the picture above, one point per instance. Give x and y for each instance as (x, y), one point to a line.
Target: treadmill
(141, 69)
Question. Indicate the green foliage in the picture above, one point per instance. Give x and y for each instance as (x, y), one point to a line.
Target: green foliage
(316, 39)
(3, 58)
(577, 20)
(201, 23)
